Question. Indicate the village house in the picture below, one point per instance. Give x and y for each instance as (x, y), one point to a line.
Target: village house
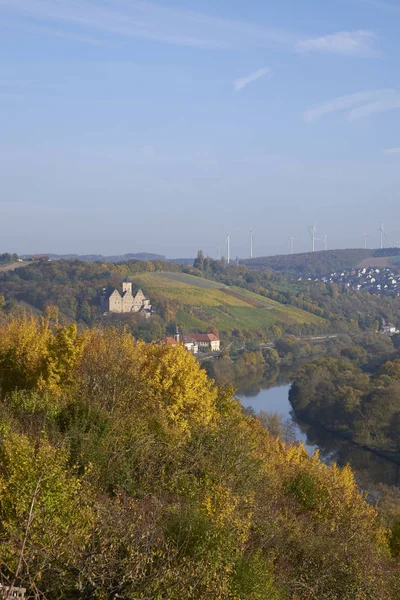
(206, 341)
(126, 302)
(389, 329)
(186, 340)
(196, 341)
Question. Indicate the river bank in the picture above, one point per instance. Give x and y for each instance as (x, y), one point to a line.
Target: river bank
(368, 465)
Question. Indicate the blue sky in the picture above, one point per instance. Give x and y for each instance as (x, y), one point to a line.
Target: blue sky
(130, 126)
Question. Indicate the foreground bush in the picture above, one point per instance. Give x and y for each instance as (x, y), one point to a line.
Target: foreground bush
(125, 473)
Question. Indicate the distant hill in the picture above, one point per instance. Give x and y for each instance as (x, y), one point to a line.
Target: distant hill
(181, 261)
(118, 258)
(315, 264)
(107, 259)
(195, 303)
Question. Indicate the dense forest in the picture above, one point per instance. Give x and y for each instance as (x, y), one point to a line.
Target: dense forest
(126, 473)
(356, 395)
(313, 264)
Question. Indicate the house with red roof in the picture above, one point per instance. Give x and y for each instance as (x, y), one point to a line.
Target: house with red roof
(186, 340)
(207, 342)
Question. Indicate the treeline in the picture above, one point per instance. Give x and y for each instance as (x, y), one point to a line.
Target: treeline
(356, 394)
(311, 264)
(317, 264)
(264, 365)
(119, 258)
(6, 258)
(126, 473)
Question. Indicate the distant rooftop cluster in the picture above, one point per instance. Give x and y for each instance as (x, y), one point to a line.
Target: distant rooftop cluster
(384, 281)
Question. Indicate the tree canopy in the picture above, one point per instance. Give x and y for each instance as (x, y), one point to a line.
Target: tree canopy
(126, 473)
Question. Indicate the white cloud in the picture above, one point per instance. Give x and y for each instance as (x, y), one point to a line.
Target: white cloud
(346, 43)
(356, 106)
(391, 151)
(242, 82)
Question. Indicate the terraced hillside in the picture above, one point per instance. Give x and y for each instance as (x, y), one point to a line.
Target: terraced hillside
(203, 303)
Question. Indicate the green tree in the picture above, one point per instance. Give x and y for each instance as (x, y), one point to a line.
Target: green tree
(199, 261)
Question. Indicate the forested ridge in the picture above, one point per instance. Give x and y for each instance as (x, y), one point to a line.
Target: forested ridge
(313, 264)
(356, 394)
(74, 287)
(126, 473)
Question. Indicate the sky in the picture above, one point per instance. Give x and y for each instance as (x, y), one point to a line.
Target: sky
(135, 126)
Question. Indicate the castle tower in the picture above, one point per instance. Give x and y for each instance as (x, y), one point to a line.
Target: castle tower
(127, 287)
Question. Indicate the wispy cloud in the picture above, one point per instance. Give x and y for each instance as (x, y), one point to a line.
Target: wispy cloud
(156, 22)
(356, 106)
(392, 151)
(143, 20)
(242, 82)
(53, 32)
(346, 43)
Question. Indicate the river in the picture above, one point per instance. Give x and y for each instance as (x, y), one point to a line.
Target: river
(367, 465)
(276, 400)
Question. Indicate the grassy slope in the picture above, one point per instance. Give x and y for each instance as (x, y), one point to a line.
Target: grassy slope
(206, 303)
(13, 266)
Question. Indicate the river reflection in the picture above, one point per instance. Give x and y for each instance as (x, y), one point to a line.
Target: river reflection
(276, 400)
(332, 449)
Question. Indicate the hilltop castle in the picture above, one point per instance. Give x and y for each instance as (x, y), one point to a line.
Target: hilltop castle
(126, 302)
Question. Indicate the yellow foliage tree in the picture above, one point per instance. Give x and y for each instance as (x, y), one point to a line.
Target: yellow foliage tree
(173, 385)
(33, 357)
(46, 512)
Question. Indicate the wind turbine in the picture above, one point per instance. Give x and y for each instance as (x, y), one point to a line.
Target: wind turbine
(228, 245)
(291, 242)
(313, 233)
(325, 241)
(251, 243)
(219, 251)
(382, 232)
(366, 236)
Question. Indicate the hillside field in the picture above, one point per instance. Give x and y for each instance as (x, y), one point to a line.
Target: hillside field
(204, 303)
(379, 262)
(13, 266)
